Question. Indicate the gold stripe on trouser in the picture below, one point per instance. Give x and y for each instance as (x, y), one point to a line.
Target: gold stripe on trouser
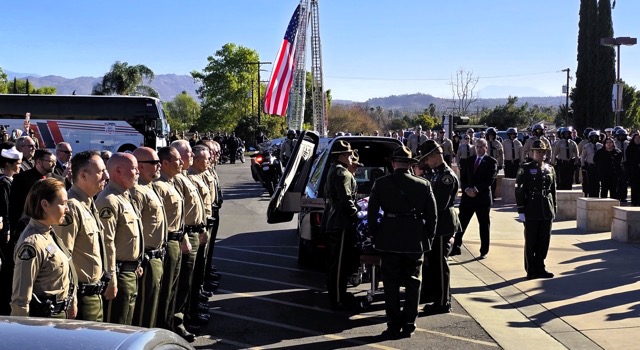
(339, 274)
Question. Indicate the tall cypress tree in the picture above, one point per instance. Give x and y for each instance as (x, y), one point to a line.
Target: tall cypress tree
(604, 69)
(582, 93)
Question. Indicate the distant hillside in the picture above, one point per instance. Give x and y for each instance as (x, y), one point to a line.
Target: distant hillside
(418, 102)
(167, 85)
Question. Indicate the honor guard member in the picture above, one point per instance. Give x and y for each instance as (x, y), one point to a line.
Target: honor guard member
(124, 243)
(201, 160)
(405, 232)
(82, 233)
(537, 133)
(194, 226)
(44, 276)
(435, 269)
(565, 158)
(338, 223)
(495, 151)
(176, 244)
(536, 201)
(608, 160)
(512, 153)
(583, 170)
(592, 187)
(154, 231)
(622, 143)
(446, 145)
(211, 177)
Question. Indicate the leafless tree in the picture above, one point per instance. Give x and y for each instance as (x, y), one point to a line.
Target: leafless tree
(462, 89)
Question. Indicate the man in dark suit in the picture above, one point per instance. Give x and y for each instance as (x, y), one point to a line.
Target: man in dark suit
(63, 154)
(404, 233)
(476, 176)
(44, 163)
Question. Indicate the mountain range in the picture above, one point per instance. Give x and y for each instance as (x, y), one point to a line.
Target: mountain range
(170, 85)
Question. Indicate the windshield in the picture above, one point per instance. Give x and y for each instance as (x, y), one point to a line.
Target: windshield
(162, 128)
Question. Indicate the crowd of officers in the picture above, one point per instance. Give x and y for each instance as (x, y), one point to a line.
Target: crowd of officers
(125, 238)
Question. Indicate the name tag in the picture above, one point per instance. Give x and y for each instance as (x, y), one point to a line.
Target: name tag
(533, 171)
(51, 248)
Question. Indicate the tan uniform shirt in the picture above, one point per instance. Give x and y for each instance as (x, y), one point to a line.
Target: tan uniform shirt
(447, 147)
(42, 267)
(495, 150)
(588, 151)
(512, 149)
(172, 200)
(193, 205)
(122, 227)
(622, 146)
(210, 179)
(565, 150)
(82, 233)
(465, 151)
(204, 190)
(527, 148)
(151, 210)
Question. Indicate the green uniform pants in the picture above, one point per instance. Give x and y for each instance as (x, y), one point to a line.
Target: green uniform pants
(401, 269)
(147, 302)
(169, 287)
(90, 308)
(120, 309)
(185, 282)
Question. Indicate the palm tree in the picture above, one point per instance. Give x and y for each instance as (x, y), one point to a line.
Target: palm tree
(124, 79)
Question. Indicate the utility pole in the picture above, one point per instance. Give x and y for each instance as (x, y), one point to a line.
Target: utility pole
(566, 113)
(259, 64)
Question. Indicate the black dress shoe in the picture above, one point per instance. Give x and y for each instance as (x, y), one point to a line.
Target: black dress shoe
(544, 274)
(186, 335)
(531, 276)
(392, 333)
(211, 286)
(214, 276)
(408, 330)
(199, 319)
(455, 251)
(434, 309)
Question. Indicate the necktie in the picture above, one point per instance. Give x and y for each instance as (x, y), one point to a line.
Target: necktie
(513, 150)
(568, 155)
(476, 164)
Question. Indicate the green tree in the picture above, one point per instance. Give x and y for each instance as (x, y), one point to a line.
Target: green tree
(4, 81)
(604, 69)
(353, 119)
(226, 87)
(20, 86)
(508, 115)
(630, 117)
(582, 94)
(182, 112)
(124, 79)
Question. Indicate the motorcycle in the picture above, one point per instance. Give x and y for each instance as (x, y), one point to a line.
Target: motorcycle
(240, 153)
(267, 168)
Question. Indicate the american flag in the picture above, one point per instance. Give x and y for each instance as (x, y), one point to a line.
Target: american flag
(277, 96)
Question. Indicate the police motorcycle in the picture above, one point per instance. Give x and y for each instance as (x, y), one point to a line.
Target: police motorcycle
(268, 169)
(240, 152)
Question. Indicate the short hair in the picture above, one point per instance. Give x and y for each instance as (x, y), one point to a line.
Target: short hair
(164, 153)
(41, 153)
(80, 161)
(59, 145)
(46, 189)
(482, 141)
(105, 155)
(20, 141)
(200, 148)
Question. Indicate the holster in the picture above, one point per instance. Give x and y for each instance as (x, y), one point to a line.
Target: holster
(40, 308)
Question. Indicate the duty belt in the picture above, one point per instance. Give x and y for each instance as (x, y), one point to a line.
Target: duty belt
(59, 306)
(402, 215)
(155, 253)
(512, 161)
(175, 236)
(87, 289)
(127, 266)
(194, 228)
(536, 193)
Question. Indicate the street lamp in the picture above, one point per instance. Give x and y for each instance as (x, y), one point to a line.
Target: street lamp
(611, 42)
(566, 91)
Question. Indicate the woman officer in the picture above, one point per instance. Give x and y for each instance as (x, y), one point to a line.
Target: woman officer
(43, 277)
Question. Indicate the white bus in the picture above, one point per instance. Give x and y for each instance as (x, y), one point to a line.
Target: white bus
(113, 123)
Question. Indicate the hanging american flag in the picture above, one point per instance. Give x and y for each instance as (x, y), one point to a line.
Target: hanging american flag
(277, 96)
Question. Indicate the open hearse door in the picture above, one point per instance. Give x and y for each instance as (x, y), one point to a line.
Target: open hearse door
(286, 198)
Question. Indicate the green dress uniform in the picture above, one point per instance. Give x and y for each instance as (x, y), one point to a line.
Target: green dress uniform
(154, 231)
(82, 233)
(173, 207)
(435, 270)
(124, 246)
(526, 149)
(339, 221)
(536, 198)
(194, 225)
(404, 233)
(43, 279)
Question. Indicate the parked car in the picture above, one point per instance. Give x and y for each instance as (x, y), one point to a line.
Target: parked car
(301, 189)
(49, 333)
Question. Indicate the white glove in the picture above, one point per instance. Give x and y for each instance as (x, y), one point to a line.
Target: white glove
(521, 217)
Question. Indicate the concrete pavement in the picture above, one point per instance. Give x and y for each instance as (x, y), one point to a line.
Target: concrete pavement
(593, 301)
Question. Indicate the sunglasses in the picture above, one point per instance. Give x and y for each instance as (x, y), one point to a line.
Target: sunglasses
(154, 162)
(67, 152)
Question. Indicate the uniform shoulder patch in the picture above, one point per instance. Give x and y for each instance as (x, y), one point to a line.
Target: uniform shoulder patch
(520, 171)
(27, 252)
(106, 213)
(447, 179)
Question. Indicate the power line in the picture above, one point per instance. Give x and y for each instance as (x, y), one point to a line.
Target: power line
(442, 79)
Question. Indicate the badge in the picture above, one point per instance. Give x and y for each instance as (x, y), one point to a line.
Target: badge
(51, 248)
(27, 252)
(520, 171)
(106, 213)
(447, 179)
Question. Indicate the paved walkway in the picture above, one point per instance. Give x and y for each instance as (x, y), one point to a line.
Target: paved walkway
(593, 301)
